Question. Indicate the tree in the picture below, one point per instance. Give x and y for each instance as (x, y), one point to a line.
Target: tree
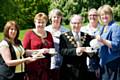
(7, 8)
(28, 9)
(23, 11)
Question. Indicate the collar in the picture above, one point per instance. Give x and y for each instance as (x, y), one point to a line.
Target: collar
(74, 33)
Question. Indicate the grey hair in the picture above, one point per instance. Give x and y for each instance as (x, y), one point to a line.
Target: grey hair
(77, 15)
(56, 12)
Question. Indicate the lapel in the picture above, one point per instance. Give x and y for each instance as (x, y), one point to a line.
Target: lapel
(72, 41)
(83, 37)
(108, 29)
(107, 33)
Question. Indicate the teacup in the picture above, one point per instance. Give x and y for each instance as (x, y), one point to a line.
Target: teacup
(52, 51)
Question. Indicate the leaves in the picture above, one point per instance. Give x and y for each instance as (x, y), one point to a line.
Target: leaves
(23, 11)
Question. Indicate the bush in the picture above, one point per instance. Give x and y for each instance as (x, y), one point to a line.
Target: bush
(116, 12)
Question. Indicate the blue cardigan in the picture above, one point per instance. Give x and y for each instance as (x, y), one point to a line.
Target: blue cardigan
(112, 34)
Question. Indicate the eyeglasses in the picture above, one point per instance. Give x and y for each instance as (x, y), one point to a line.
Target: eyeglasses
(93, 15)
(76, 22)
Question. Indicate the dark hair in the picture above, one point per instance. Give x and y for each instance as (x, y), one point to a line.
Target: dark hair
(6, 30)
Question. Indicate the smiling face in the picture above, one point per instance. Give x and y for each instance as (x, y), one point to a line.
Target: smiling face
(40, 22)
(55, 16)
(56, 20)
(40, 25)
(106, 14)
(105, 18)
(93, 16)
(76, 23)
(12, 32)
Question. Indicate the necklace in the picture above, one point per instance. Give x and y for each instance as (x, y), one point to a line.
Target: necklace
(39, 34)
(105, 29)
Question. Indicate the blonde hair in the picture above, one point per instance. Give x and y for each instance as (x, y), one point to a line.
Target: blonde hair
(41, 16)
(106, 9)
(92, 10)
(98, 11)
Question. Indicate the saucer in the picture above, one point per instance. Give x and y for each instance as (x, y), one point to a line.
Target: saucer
(95, 44)
(35, 56)
(52, 51)
(90, 50)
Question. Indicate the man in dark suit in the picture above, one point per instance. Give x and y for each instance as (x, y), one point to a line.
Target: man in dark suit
(73, 51)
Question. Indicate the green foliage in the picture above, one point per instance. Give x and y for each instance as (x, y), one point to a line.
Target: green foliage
(116, 12)
(68, 7)
(28, 9)
(7, 8)
(23, 11)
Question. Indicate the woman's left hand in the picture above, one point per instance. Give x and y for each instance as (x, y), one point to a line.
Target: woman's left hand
(30, 59)
(43, 51)
(99, 38)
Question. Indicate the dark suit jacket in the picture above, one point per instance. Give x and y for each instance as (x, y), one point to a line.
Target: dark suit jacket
(70, 59)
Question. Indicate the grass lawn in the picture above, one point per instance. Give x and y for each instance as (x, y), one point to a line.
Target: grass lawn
(1, 36)
(22, 33)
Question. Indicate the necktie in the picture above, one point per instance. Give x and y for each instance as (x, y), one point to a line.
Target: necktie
(77, 38)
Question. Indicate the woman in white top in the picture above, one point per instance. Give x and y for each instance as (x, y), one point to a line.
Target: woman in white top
(11, 54)
(56, 30)
(93, 29)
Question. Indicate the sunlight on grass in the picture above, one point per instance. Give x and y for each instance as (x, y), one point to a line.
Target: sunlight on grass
(22, 33)
(1, 36)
